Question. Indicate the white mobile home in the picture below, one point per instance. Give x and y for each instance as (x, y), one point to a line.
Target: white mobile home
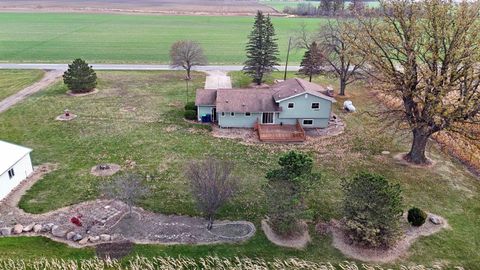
(15, 166)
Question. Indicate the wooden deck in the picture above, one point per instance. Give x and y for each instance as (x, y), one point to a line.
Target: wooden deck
(280, 133)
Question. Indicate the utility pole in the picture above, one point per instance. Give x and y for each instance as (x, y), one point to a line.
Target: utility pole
(288, 54)
(186, 83)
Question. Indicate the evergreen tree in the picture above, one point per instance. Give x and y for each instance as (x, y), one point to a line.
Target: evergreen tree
(312, 61)
(262, 49)
(80, 77)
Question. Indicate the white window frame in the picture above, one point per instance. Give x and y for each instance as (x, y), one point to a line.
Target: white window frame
(316, 109)
(249, 114)
(303, 122)
(232, 114)
(222, 114)
(288, 105)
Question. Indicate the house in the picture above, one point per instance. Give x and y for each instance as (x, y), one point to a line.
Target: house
(15, 166)
(285, 103)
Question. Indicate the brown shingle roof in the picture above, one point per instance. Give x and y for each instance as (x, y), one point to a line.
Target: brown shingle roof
(206, 97)
(246, 100)
(296, 86)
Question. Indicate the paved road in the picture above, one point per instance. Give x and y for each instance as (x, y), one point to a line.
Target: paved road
(127, 67)
(218, 80)
(48, 79)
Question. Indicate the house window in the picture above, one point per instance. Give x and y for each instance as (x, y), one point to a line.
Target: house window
(308, 122)
(291, 105)
(248, 114)
(223, 113)
(232, 114)
(315, 105)
(11, 173)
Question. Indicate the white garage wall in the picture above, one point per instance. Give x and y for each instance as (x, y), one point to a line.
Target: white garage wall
(23, 168)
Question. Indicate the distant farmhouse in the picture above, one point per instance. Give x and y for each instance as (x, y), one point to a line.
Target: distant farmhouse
(291, 102)
(15, 166)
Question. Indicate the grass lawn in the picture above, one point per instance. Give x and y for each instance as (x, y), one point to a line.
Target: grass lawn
(12, 81)
(160, 142)
(102, 38)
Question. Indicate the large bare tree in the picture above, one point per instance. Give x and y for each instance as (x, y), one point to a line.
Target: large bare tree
(426, 54)
(338, 52)
(187, 54)
(212, 185)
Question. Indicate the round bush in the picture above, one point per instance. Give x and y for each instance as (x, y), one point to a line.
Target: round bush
(190, 115)
(190, 106)
(416, 217)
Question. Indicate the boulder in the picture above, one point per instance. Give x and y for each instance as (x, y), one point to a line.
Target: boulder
(70, 235)
(58, 232)
(29, 227)
(77, 237)
(37, 228)
(435, 220)
(385, 153)
(47, 227)
(6, 231)
(105, 237)
(18, 229)
(83, 241)
(94, 239)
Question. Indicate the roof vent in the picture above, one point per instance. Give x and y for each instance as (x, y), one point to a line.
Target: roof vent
(226, 101)
(244, 105)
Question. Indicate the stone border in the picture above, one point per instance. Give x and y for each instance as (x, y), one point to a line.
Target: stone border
(94, 91)
(241, 238)
(298, 243)
(62, 117)
(114, 168)
(391, 254)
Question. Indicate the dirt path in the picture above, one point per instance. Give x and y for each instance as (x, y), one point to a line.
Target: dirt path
(48, 79)
(218, 80)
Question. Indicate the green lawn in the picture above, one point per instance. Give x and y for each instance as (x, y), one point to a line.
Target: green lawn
(160, 142)
(12, 81)
(102, 38)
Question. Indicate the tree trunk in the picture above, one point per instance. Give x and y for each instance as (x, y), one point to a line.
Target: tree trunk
(210, 223)
(188, 74)
(310, 79)
(419, 145)
(343, 86)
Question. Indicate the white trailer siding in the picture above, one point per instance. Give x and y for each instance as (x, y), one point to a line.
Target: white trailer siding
(15, 167)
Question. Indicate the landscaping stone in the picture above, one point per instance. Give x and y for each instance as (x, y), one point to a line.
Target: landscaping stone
(18, 229)
(83, 241)
(58, 232)
(47, 227)
(435, 220)
(70, 235)
(6, 231)
(385, 153)
(29, 227)
(94, 239)
(37, 228)
(77, 237)
(105, 237)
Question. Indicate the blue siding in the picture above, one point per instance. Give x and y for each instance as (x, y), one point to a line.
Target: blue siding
(239, 120)
(203, 110)
(303, 110)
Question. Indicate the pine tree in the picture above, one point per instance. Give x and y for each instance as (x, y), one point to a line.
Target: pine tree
(262, 49)
(312, 61)
(80, 77)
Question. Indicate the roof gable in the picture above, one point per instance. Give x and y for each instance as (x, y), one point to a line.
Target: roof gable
(295, 87)
(10, 154)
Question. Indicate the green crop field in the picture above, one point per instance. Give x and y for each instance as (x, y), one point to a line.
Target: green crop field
(102, 38)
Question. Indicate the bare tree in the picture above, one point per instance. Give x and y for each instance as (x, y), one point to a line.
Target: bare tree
(128, 188)
(338, 52)
(187, 54)
(212, 185)
(426, 54)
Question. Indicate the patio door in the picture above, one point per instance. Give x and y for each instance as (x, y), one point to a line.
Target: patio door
(214, 115)
(267, 118)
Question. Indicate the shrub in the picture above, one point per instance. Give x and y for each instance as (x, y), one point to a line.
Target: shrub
(372, 210)
(284, 210)
(190, 106)
(80, 77)
(416, 217)
(190, 115)
(293, 164)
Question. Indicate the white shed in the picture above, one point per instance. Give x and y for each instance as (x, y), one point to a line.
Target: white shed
(15, 166)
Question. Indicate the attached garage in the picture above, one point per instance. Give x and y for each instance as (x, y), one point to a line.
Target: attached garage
(15, 166)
